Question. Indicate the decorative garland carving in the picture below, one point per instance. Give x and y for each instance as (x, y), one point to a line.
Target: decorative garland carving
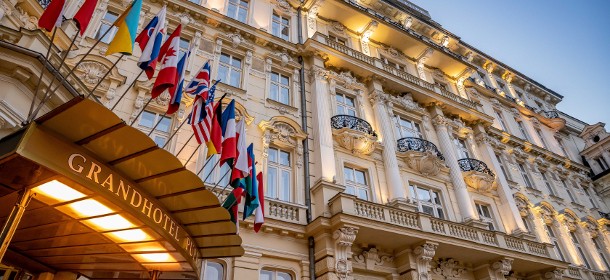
(344, 238)
(372, 258)
(449, 268)
(423, 255)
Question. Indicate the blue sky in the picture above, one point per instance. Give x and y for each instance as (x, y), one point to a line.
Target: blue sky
(564, 45)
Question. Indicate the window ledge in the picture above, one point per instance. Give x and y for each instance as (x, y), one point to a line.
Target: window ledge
(231, 90)
(281, 107)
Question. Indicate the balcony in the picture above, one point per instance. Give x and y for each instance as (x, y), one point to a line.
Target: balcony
(477, 175)
(354, 134)
(421, 155)
(389, 227)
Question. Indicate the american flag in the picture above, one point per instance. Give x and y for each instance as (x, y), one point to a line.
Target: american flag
(200, 84)
(201, 117)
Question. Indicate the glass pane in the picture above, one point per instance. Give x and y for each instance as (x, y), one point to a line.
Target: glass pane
(266, 275)
(440, 213)
(273, 92)
(285, 186)
(232, 11)
(159, 140)
(427, 209)
(285, 33)
(225, 58)
(284, 158)
(213, 271)
(285, 97)
(235, 78)
(341, 110)
(363, 194)
(164, 125)
(351, 112)
(339, 98)
(272, 182)
(242, 15)
(349, 174)
(349, 101)
(349, 190)
(285, 80)
(236, 62)
(412, 191)
(273, 155)
(147, 119)
(223, 71)
(283, 276)
(360, 179)
(274, 77)
(208, 169)
(423, 195)
(285, 21)
(275, 28)
(436, 198)
(224, 175)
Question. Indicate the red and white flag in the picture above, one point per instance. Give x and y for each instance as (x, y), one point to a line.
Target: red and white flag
(259, 215)
(84, 15)
(170, 55)
(52, 15)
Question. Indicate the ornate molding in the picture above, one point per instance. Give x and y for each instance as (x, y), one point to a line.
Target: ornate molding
(439, 120)
(502, 267)
(344, 238)
(372, 258)
(449, 268)
(423, 256)
(283, 132)
(556, 274)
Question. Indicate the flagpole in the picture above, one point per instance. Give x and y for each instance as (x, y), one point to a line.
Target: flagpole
(223, 190)
(187, 141)
(157, 124)
(42, 73)
(174, 133)
(47, 93)
(213, 167)
(140, 113)
(126, 90)
(105, 75)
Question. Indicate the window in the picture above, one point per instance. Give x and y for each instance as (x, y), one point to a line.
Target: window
(579, 249)
(150, 120)
(185, 46)
(274, 275)
(213, 271)
(526, 223)
(525, 176)
(547, 183)
(238, 9)
(280, 88)
(280, 26)
(408, 128)
(462, 149)
(107, 22)
(554, 241)
(279, 175)
(563, 149)
(428, 201)
(356, 182)
(482, 76)
(602, 163)
(229, 70)
(523, 131)
(392, 64)
(588, 194)
(345, 105)
(485, 215)
(501, 120)
(501, 85)
(599, 245)
(441, 85)
(565, 186)
(539, 132)
(503, 167)
(212, 174)
(339, 40)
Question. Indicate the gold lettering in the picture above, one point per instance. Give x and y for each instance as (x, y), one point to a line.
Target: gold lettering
(173, 227)
(147, 205)
(155, 212)
(94, 171)
(108, 183)
(165, 223)
(133, 196)
(123, 190)
(79, 169)
(176, 235)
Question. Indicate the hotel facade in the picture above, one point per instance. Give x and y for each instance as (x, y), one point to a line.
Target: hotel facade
(391, 149)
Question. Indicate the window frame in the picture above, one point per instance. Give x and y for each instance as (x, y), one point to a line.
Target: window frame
(282, 193)
(525, 176)
(281, 25)
(342, 40)
(230, 69)
(357, 186)
(275, 273)
(600, 250)
(157, 132)
(345, 105)
(280, 86)
(413, 193)
(541, 136)
(461, 148)
(106, 22)
(217, 172)
(205, 269)
(237, 5)
(579, 249)
(507, 174)
(490, 220)
(523, 130)
(501, 120)
(402, 131)
(548, 184)
(555, 241)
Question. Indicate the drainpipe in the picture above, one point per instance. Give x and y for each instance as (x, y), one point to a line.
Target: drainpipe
(306, 179)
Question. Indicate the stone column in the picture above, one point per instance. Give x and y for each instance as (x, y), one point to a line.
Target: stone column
(461, 191)
(423, 255)
(379, 99)
(323, 134)
(508, 208)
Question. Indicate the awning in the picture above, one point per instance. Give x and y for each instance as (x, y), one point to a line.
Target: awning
(86, 147)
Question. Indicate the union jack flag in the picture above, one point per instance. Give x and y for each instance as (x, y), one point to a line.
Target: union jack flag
(200, 84)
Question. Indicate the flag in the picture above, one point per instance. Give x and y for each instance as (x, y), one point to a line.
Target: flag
(195, 118)
(154, 30)
(176, 91)
(229, 141)
(52, 15)
(84, 15)
(201, 82)
(232, 203)
(259, 216)
(251, 191)
(127, 25)
(169, 54)
(241, 166)
(215, 143)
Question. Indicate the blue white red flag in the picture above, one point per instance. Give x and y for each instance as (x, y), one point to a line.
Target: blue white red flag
(150, 40)
(170, 55)
(175, 92)
(201, 82)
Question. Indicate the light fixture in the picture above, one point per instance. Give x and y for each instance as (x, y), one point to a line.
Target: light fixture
(88, 208)
(154, 257)
(143, 247)
(130, 235)
(106, 223)
(57, 191)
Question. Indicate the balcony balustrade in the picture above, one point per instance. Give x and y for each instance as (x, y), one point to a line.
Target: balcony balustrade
(471, 164)
(553, 114)
(477, 175)
(418, 145)
(44, 3)
(421, 155)
(354, 134)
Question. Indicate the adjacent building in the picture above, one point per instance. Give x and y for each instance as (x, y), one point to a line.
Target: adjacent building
(391, 148)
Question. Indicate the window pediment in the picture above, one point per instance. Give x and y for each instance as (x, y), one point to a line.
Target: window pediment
(282, 131)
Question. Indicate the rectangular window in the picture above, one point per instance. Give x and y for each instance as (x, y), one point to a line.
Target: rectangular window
(539, 132)
(280, 26)
(107, 21)
(212, 174)
(526, 224)
(229, 70)
(391, 63)
(238, 9)
(345, 105)
(554, 241)
(185, 46)
(408, 128)
(565, 186)
(356, 182)
(428, 201)
(486, 215)
(563, 149)
(161, 124)
(525, 176)
(279, 175)
(213, 271)
(274, 275)
(523, 131)
(602, 163)
(462, 149)
(280, 88)
(339, 40)
(503, 167)
(547, 183)
(501, 85)
(579, 249)
(591, 199)
(600, 248)
(501, 120)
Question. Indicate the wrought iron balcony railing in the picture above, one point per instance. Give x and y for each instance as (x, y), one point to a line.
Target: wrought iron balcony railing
(351, 122)
(550, 114)
(44, 3)
(418, 145)
(471, 164)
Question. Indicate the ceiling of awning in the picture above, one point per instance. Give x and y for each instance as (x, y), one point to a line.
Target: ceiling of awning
(91, 127)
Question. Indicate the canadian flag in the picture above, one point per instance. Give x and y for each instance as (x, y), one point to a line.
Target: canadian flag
(170, 55)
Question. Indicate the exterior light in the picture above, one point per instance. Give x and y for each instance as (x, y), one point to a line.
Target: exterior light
(112, 222)
(130, 235)
(89, 208)
(154, 257)
(57, 191)
(143, 247)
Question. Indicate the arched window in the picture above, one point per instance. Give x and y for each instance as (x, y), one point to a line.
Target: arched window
(267, 274)
(213, 271)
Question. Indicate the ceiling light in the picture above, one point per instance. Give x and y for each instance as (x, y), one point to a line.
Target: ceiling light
(143, 247)
(112, 222)
(90, 208)
(58, 191)
(131, 235)
(154, 257)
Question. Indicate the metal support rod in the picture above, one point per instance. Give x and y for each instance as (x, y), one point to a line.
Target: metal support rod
(157, 124)
(154, 275)
(140, 113)
(184, 146)
(105, 75)
(174, 134)
(190, 157)
(42, 73)
(213, 167)
(13, 220)
(126, 90)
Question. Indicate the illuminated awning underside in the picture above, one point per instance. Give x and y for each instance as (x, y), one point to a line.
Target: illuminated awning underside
(50, 239)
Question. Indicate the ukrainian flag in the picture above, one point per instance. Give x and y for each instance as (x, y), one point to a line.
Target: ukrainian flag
(127, 25)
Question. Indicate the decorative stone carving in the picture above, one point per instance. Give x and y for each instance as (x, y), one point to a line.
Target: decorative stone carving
(236, 39)
(448, 268)
(344, 238)
(355, 141)
(421, 62)
(423, 255)
(554, 275)
(283, 57)
(29, 22)
(283, 132)
(522, 206)
(407, 102)
(338, 27)
(407, 22)
(445, 41)
(185, 18)
(312, 16)
(372, 258)
(479, 181)
(439, 120)
(426, 163)
(283, 6)
(502, 267)
(546, 214)
(91, 72)
(163, 99)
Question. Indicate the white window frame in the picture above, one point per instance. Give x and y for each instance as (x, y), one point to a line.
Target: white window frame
(279, 86)
(281, 192)
(561, 147)
(601, 250)
(568, 191)
(548, 184)
(486, 215)
(461, 148)
(274, 274)
(525, 176)
(281, 25)
(434, 206)
(590, 196)
(231, 69)
(501, 120)
(338, 39)
(358, 187)
(182, 49)
(550, 232)
(541, 136)
(346, 107)
(404, 131)
(602, 163)
(503, 167)
(579, 249)
(523, 131)
(205, 272)
(106, 23)
(158, 133)
(238, 6)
